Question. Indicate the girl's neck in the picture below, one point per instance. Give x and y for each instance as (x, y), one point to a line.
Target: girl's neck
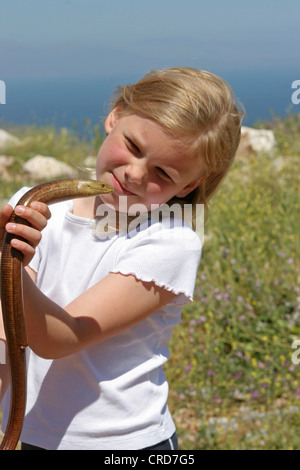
(85, 207)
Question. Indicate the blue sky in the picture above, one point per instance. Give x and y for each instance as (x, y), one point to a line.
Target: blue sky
(54, 38)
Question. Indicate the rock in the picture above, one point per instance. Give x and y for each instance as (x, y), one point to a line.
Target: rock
(6, 161)
(256, 141)
(42, 167)
(4, 175)
(90, 162)
(8, 140)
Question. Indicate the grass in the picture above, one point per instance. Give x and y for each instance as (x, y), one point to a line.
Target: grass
(233, 384)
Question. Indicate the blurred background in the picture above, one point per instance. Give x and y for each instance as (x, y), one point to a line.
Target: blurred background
(233, 371)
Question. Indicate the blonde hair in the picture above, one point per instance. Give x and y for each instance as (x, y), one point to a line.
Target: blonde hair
(199, 110)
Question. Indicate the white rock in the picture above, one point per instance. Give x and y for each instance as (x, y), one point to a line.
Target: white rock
(6, 161)
(256, 140)
(7, 139)
(90, 162)
(4, 175)
(43, 167)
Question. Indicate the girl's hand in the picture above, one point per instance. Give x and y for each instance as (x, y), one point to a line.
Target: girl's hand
(37, 214)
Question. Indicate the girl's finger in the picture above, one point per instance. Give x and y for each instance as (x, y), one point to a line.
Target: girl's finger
(37, 215)
(27, 250)
(31, 235)
(42, 208)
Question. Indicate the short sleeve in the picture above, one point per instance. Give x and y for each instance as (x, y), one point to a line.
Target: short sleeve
(17, 196)
(169, 257)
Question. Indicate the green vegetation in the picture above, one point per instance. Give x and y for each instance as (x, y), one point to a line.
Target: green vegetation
(233, 384)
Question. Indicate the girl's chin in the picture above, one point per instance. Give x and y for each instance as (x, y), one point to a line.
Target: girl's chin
(124, 204)
(110, 199)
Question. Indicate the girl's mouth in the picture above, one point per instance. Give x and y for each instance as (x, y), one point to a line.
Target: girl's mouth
(120, 188)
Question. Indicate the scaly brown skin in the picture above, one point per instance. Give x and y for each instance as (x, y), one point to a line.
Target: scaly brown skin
(11, 295)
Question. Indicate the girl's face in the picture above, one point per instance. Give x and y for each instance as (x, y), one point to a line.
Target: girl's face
(142, 163)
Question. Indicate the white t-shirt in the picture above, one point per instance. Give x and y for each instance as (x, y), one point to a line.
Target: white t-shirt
(112, 395)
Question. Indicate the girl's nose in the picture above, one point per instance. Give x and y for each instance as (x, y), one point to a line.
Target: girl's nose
(136, 172)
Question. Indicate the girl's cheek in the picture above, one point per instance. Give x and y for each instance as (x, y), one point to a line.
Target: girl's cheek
(113, 154)
(157, 195)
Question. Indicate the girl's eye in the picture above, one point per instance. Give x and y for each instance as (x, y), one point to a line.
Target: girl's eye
(132, 146)
(163, 174)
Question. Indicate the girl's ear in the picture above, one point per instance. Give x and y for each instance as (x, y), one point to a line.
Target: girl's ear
(111, 120)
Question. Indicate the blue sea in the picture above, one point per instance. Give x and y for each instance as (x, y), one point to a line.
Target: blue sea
(69, 102)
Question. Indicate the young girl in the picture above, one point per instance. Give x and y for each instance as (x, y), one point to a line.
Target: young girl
(100, 305)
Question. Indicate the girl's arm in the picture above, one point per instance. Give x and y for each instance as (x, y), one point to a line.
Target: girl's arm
(109, 307)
